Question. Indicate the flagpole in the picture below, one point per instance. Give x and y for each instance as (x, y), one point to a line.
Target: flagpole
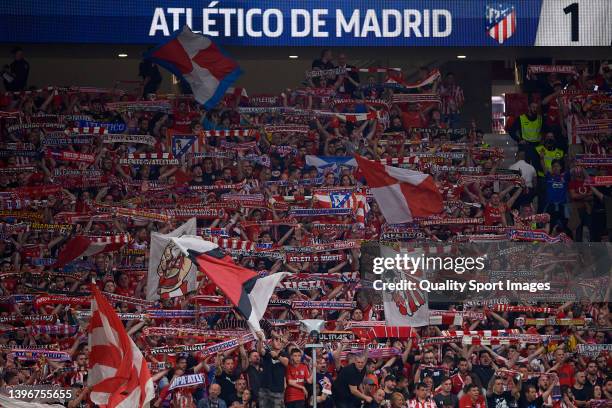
(314, 371)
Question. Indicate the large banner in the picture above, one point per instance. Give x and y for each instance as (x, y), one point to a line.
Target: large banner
(170, 273)
(314, 22)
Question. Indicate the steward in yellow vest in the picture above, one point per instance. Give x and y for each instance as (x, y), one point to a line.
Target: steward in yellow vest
(528, 126)
(531, 128)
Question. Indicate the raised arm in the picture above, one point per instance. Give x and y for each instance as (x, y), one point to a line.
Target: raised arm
(516, 195)
(555, 381)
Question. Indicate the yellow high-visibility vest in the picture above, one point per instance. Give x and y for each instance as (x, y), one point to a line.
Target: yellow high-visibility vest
(530, 129)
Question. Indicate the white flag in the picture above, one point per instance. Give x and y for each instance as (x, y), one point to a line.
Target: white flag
(406, 307)
(170, 273)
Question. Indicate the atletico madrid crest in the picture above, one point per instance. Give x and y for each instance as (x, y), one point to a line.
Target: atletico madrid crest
(500, 21)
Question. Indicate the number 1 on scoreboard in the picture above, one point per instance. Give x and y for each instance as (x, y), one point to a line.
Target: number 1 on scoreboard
(573, 10)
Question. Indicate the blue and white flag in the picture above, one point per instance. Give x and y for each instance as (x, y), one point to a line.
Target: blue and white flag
(326, 164)
(182, 144)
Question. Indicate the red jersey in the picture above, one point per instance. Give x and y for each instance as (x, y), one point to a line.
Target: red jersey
(412, 120)
(552, 114)
(566, 375)
(458, 383)
(578, 187)
(449, 190)
(493, 215)
(466, 402)
(182, 121)
(124, 292)
(300, 374)
(182, 178)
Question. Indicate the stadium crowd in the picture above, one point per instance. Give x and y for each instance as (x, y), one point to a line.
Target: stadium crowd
(270, 179)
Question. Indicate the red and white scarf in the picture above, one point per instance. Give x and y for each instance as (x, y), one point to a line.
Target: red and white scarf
(416, 98)
(302, 129)
(598, 181)
(86, 131)
(230, 133)
(546, 69)
(432, 77)
(452, 221)
(66, 155)
(522, 309)
(144, 106)
(138, 139)
(149, 158)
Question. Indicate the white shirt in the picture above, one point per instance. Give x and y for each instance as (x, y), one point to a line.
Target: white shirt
(528, 172)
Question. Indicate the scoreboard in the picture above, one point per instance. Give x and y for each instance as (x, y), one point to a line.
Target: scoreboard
(448, 23)
(575, 23)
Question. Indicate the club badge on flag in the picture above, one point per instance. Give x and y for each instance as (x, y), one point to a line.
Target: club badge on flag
(500, 21)
(200, 62)
(339, 200)
(170, 273)
(183, 144)
(404, 307)
(344, 200)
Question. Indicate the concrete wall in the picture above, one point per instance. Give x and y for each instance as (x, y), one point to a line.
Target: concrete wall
(259, 77)
(475, 79)
(102, 72)
(272, 76)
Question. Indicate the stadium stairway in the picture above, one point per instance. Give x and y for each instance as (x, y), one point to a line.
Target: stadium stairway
(505, 142)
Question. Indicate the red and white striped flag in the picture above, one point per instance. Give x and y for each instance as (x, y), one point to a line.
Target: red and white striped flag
(118, 373)
(401, 193)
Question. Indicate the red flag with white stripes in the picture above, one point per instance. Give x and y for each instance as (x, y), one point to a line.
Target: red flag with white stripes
(118, 373)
